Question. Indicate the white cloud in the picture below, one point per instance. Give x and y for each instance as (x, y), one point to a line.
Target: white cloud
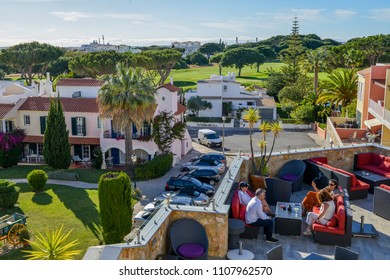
(308, 14)
(72, 16)
(49, 30)
(344, 14)
(227, 25)
(380, 14)
(135, 17)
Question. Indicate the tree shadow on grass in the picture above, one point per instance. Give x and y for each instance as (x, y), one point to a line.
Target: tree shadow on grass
(252, 78)
(78, 201)
(42, 198)
(184, 83)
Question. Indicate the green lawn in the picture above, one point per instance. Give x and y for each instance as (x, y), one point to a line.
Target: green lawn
(74, 208)
(21, 171)
(187, 78)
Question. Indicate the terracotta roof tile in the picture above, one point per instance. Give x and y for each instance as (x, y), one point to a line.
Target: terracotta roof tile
(4, 109)
(170, 87)
(80, 83)
(81, 105)
(72, 140)
(180, 109)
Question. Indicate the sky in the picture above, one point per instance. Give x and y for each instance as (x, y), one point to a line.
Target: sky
(69, 23)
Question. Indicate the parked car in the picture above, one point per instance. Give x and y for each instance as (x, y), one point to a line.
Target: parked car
(220, 167)
(209, 138)
(199, 199)
(150, 208)
(211, 156)
(187, 182)
(209, 176)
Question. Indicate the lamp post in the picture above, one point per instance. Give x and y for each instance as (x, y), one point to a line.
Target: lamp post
(134, 160)
(223, 134)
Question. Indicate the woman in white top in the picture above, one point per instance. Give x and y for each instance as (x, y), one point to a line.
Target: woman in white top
(243, 195)
(327, 211)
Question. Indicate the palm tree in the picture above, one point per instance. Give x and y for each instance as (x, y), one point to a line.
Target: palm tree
(128, 97)
(314, 61)
(252, 116)
(339, 89)
(275, 128)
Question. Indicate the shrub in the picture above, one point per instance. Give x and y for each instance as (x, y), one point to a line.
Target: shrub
(37, 180)
(98, 158)
(62, 175)
(10, 147)
(115, 218)
(9, 194)
(155, 168)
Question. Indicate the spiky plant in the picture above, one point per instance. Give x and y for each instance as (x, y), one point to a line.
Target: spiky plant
(52, 246)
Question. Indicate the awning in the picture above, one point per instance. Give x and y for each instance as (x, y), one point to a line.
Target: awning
(371, 123)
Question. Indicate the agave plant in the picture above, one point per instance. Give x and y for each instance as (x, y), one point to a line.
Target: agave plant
(52, 246)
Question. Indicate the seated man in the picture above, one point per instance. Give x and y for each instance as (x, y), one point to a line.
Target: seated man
(245, 197)
(255, 216)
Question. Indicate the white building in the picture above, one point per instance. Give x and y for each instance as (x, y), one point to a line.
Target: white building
(189, 47)
(224, 89)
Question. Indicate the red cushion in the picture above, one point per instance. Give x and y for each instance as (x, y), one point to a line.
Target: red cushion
(341, 217)
(332, 222)
(333, 230)
(364, 158)
(241, 215)
(319, 160)
(383, 186)
(353, 178)
(376, 159)
(385, 165)
(235, 205)
(339, 201)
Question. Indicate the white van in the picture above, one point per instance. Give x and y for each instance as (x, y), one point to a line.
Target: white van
(209, 138)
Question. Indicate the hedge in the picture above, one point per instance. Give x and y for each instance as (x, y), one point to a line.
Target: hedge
(62, 175)
(37, 180)
(155, 168)
(207, 119)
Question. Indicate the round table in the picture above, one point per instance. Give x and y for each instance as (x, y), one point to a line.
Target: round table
(235, 255)
(235, 228)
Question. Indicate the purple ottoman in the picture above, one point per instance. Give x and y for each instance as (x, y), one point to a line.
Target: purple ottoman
(289, 177)
(191, 250)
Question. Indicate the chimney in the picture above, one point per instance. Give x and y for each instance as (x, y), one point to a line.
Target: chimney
(171, 80)
(47, 76)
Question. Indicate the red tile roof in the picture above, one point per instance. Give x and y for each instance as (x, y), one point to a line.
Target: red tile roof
(180, 109)
(170, 87)
(80, 83)
(4, 109)
(72, 140)
(80, 105)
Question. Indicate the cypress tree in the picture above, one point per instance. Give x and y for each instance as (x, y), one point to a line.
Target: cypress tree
(116, 211)
(56, 146)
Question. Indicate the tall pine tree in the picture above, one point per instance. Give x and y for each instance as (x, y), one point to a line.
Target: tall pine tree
(293, 55)
(56, 146)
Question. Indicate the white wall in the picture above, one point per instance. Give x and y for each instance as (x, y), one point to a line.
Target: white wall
(215, 111)
(166, 101)
(89, 92)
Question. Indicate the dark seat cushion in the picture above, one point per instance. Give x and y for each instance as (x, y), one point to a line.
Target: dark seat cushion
(289, 177)
(191, 250)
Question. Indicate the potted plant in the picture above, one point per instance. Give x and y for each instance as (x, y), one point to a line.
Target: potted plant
(259, 170)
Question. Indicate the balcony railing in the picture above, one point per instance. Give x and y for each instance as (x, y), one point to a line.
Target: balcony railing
(377, 108)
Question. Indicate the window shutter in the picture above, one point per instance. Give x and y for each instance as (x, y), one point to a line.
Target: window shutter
(74, 126)
(43, 124)
(134, 129)
(84, 127)
(149, 129)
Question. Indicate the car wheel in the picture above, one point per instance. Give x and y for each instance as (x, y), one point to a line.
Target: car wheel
(185, 169)
(212, 182)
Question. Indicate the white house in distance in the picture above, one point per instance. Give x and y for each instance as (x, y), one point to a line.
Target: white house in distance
(224, 89)
(189, 47)
(86, 129)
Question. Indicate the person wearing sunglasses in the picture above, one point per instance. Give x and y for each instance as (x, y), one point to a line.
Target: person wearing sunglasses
(311, 199)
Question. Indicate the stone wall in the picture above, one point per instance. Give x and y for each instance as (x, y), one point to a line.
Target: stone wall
(159, 242)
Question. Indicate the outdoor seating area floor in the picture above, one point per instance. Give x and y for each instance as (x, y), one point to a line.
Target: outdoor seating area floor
(298, 247)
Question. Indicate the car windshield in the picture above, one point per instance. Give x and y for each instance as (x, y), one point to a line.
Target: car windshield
(212, 136)
(196, 182)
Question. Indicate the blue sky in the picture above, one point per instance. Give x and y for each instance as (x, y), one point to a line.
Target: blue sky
(147, 22)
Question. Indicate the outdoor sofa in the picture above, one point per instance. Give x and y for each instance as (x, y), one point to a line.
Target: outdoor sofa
(318, 169)
(378, 164)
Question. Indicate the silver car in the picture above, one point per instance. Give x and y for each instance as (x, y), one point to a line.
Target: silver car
(212, 164)
(199, 199)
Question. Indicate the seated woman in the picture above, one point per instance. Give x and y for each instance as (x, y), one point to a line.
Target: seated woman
(311, 199)
(244, 197)
(327, 210)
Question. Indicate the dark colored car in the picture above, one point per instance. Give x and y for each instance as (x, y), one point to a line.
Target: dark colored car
(186, 182)
(204, 163)
(208, 176)
(212, 156)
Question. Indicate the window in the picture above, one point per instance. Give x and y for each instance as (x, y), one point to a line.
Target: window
(43, 120)
(86, 151)
(26, 119)
(360, 91)
(79, 126)
(40, 148)
(98, 122)
(250, 103)
(9, 126)
(225, 88)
